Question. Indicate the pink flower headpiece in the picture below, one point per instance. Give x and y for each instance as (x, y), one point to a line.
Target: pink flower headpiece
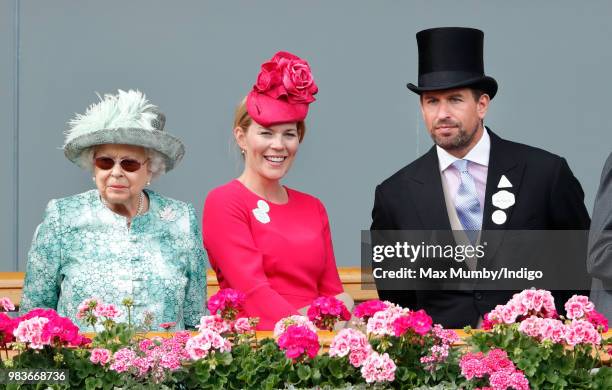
(283, 90)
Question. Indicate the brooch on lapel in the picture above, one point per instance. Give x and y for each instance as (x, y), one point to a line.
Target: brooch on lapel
(167, 214)
(503, 200)
(261, 212)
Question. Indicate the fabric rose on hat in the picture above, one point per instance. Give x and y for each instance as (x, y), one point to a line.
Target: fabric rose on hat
(287, 75)
(269, 79)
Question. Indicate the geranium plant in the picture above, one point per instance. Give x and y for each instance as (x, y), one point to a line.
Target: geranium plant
(528, 346)
(551, 350)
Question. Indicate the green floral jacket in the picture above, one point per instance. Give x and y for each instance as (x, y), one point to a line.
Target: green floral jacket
(82, 250)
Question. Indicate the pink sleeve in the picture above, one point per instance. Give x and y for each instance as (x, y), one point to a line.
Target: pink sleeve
(330, 283)
(231, 248)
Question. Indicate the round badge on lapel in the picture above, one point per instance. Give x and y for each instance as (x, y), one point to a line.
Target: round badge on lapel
(503, 199)
(499, 217)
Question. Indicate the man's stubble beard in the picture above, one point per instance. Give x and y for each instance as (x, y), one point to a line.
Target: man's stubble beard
(459, 141)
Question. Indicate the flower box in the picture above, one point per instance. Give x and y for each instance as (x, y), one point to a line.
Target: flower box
(387, 347)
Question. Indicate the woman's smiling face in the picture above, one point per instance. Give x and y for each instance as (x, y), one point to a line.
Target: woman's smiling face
(268, 151)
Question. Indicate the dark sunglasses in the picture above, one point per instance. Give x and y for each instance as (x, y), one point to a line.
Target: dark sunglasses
(128, 165)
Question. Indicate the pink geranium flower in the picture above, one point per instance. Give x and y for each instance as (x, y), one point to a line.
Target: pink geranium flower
(299, 342)
(243, 325)
(598, 320)
(438, 353)
(281, 326)
(100, 356)
(61, 330)
(494, 366)
(86, 308)
(146, 344)
(381, 323)
(153, 358)
(200, 346)
(447, 336)
(487, 322)
(30, 331)
(324, 312)
(582, 332)
(578, 306)
(108, 311)
(227, 303)
(167, 325)
(352, 343)
(578, 331)
(418, 321)
(6, 304)
(7, 325)
(544, 329)
(522, 305)
(122, 360)
(142, 365)
(46, 313)
(41, 327)
(367, 309)
(215, 323)
(378, 368)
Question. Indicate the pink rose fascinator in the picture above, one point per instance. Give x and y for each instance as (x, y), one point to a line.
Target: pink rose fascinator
(283, 90)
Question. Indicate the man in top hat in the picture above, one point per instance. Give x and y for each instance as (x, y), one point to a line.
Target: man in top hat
(471, 179)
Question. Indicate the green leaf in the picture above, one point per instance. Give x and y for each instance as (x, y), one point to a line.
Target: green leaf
(93, 383)
(202, 372)
(401, 374)
(271, 382)
(335, 368)
(303, 372)
(316, 375)
(225, 358)
(552, 376)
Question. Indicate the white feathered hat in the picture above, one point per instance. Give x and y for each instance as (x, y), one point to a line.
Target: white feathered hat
(124, 118)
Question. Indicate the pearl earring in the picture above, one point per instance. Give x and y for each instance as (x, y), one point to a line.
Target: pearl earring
(242, 151)
(93, 179)
(148, 183)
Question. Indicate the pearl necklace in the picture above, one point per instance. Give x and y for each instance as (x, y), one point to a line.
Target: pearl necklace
(138, 210)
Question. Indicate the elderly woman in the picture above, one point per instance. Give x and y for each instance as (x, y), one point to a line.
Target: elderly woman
(119, 240)
(272, 242)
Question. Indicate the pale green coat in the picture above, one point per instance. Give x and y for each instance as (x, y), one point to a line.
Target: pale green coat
(83, 250)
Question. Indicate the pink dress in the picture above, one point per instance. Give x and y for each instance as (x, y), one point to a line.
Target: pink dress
(280, 256)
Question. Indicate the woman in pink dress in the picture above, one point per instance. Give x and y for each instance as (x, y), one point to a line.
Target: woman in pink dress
(271, 242)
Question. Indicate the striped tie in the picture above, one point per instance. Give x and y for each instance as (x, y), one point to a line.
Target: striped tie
(466, 202)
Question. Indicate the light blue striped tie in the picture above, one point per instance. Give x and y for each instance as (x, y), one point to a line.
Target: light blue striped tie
(466, 202)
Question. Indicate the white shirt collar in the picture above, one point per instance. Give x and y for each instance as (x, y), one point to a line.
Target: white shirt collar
(479, 153)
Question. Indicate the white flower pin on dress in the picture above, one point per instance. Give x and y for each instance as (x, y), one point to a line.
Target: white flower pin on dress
(167, 214)
(261, 212)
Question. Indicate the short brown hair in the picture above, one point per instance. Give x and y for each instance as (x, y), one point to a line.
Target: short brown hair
(477, 93)
(243, 120)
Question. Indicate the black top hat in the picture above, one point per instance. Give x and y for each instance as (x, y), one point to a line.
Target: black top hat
(451, 57)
